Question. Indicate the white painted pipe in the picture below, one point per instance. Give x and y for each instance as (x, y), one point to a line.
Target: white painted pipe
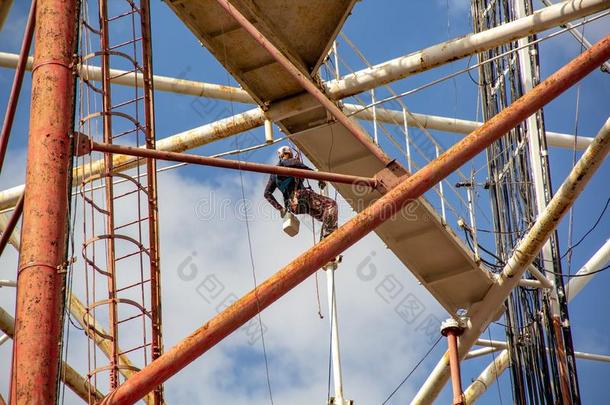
(491, 305)
(498, 344)
(458, 48)
(454, 125)
(480, 352)
(487, 377)
(202, 89)
(334, 324)
(69, 375)
(180, 142)
(8, 283)
(161, 83)
(579, 37)
(14, 238)
(596, 262)
(3, 339)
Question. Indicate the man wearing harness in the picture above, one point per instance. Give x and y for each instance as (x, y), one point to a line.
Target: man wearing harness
(297, 198)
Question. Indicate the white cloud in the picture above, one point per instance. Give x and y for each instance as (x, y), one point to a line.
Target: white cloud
(375, 340)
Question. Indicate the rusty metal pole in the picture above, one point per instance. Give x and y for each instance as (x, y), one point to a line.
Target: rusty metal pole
(451, 329)
(244, 309)
(224, 163)
(9, 116)
(40, 278)
(305, 80)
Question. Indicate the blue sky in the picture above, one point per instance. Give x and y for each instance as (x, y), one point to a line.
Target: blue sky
(297, 341)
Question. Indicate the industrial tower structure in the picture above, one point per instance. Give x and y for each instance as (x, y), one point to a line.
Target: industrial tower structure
(93, 154)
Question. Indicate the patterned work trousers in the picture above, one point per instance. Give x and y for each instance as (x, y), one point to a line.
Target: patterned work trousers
(324, 209)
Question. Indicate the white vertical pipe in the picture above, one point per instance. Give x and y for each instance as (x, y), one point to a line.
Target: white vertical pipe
(373, 101)
(268, 131)
(336, 58)
(535, 153)
(440, 189)
(473, 221)
(334, 325)
(407, 140)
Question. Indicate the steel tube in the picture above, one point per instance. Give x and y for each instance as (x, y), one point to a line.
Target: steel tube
(233, 164)
(13, 99)
(40, 277)
(454, 362)
(304, 80)
(458, 48)
(523, 255)
(355, 229)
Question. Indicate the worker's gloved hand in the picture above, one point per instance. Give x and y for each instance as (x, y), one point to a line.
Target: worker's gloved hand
(283, 212)
(321, 184)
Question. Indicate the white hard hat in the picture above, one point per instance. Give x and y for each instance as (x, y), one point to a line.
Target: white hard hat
(284, 149)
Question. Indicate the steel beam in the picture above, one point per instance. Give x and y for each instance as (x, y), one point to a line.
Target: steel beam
(231, 164)
(458, 48)
(41, 276)
(407, 190)
(491, 306)
(13, 100)
(77, 383)
(5, 7)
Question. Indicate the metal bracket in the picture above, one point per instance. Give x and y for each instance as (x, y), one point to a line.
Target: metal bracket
(390, 176)
(82, 144)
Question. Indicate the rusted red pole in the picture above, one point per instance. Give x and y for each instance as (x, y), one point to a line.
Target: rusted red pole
(40, 277)
(451, 329)
(11, 108)
(366, 221)
(305, 80)
(233, 164)
(12, 223)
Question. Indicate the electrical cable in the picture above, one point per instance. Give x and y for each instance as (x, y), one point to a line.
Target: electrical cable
(250, 249)
(412, 370)
(599, 218)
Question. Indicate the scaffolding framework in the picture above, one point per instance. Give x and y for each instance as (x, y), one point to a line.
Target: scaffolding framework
(92, 169)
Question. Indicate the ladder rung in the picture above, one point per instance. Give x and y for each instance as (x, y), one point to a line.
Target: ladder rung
(124, 103)
(131, 223)
(133, 285)
(122, 44)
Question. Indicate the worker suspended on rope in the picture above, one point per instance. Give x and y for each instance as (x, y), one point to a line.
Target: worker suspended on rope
(299, 199)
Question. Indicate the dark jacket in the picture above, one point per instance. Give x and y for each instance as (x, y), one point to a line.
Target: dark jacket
(286, 184)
